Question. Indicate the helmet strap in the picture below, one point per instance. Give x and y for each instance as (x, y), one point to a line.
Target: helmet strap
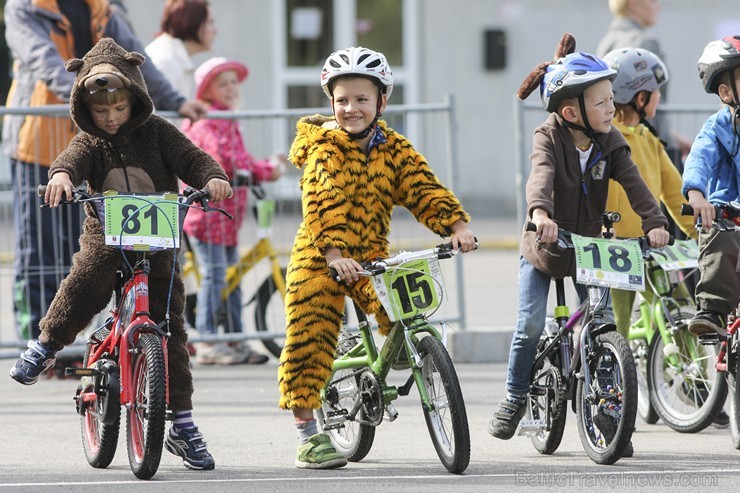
(586, 128)
(641, 110)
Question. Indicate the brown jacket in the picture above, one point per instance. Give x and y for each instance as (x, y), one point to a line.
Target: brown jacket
(575, 200)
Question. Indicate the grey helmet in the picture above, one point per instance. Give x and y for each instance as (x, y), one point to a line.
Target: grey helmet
(637, 70)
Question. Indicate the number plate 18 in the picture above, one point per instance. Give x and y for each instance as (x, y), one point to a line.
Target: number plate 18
(410, 289)
(608, 262)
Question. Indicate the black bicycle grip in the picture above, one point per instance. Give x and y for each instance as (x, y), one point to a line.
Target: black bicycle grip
(531, 227)
(687, 210)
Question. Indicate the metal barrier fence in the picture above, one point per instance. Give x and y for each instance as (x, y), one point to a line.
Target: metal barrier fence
(431, 127)
(685, 120)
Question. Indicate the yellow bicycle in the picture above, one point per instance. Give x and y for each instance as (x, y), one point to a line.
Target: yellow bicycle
(269, 308)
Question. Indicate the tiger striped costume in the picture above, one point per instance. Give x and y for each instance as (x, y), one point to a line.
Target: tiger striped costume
(347, 200)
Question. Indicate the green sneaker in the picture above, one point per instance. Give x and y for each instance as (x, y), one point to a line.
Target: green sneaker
(319, 453)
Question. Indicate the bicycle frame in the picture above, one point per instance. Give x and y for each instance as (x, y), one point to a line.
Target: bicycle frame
(260, 250)
(656, 315)
(571, 355)
(379, 360)
(134, 306)
(721, 364)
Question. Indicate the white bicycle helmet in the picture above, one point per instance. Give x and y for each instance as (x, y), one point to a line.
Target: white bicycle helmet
(359, 61)
(569, 76)
(637, 70)
(718, 56)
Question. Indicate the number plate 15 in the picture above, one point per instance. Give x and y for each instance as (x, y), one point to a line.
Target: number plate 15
(149, 222)
(612, 263)
(410, 289)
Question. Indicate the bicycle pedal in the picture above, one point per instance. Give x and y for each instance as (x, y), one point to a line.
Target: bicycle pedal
(391, 412)
(334, 420)
(709, 339)
(80, 372)
(529, 427)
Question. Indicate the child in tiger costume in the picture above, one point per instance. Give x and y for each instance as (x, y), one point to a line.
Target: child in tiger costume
(355, 170)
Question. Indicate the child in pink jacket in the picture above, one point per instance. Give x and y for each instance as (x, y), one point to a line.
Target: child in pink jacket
(214, 237)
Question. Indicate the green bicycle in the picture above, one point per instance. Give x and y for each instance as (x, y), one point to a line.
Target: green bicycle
(677, 380)
(357, 398)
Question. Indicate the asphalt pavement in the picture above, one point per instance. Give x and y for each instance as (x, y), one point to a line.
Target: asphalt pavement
(253, 443)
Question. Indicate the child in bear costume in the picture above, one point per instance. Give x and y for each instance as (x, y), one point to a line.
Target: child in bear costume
(122, 146)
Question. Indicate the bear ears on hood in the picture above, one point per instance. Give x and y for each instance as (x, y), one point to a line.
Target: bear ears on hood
(566, 46)
(134, 58)
(106, 66)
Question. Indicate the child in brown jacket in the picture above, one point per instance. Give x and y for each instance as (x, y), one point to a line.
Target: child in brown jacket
(576, 151)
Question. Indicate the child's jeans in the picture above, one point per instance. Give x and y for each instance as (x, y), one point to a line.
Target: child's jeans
(213, 260)
(534, 287)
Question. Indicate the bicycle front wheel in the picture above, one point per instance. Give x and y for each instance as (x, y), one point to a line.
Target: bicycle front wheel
(269, 314)
(734, 404)
(445, 413)
(606, 404)
(146, 414)
(645, 407)
(351, 438)
(686, 389)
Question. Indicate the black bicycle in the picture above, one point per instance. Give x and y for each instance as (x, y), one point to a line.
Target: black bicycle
(581, 357)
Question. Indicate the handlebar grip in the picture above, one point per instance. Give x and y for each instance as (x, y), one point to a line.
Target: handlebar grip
(41, 190)
(531, 227)
(687, 210)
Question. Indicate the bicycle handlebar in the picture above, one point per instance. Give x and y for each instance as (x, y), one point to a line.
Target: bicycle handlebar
(379, 266)
(729, 212)
(565, 242)
(191, 196)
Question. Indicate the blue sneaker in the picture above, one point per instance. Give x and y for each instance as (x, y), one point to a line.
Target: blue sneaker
(37, 359)
(189, 445)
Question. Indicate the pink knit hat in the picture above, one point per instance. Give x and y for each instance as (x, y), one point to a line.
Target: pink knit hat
(210, 69)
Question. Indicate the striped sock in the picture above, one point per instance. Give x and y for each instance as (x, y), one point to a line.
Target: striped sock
(183, 421)
(306, 429)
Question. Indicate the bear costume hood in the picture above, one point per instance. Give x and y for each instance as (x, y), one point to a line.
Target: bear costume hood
(107, 67)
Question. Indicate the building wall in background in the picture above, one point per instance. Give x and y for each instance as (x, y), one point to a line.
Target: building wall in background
(451, 54)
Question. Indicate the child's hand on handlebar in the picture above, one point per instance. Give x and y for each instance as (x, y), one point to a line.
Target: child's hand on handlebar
(348, 269)
(702, 208)
(462, 238)
(219, 189)
(659, 237)
(60, 186)
(547, 229)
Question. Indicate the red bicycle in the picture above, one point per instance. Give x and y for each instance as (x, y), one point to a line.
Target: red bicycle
(728, 356)
(125, 361)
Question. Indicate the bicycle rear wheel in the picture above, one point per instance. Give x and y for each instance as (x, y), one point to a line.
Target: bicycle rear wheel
(548, 407)
(446, 419)
(686, 390)
(606, 405)
(352, 439)
(146, 415)
(269, 314)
